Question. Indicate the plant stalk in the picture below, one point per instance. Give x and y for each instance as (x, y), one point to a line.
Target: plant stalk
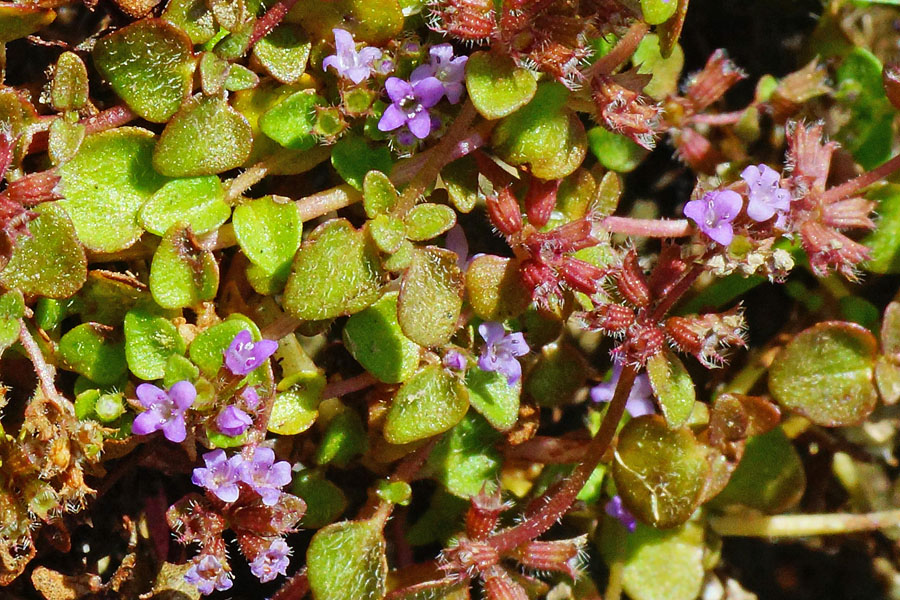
(744, 525)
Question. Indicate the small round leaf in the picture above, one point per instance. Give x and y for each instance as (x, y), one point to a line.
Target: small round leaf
(496, 85)
(431, 402)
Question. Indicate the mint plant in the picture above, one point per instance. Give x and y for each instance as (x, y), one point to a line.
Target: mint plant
(404, 300)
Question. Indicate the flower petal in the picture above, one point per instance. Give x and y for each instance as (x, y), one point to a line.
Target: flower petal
(420, 125)
(491, 332)
(441, 53)
(421, 72)
(429, 91)
(149, 395)
(174, 429)
(722, 233)
(398, 89)
(392, 118)
(368, 55)
(147, 422)
(228, 492)
(183, 394)
(343, 42)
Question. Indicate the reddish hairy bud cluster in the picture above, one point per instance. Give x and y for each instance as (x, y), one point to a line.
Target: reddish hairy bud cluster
(557, 555)
(706, 336)
(622, 108)
(541, 200)
(503, 209)
(467, 20)
(484, 514)
(711, 82)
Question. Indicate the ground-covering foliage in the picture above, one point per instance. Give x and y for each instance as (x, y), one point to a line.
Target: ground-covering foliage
(407, 299)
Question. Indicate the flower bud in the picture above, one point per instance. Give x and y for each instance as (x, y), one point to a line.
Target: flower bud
(582, 276)
(483, 514)
(469, 20)
(503, 209)
(631, 282)
(557, 555)
(646, 342)
(540, 201)
(498, 585)
(713, 80)
(694, 150)
(706, 336)
(612, 319)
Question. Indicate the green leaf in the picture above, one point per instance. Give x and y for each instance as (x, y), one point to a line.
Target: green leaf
(240, 78)
(430, 402)
(64, 139)
(375, 23)
(297, 403)
(379, 194)
(193, 17)
(658, 11)
(178, 368)
(344, 438)
(114, 165)
(495, 289)
(465, 460)
(69, 87)
(492, 396)
(544, 134)
(336, 272)
(868, 133)
(291, 121)
(558, 375)
(430, 298)
(375, 340)
(196, 201)
(17, 21)
(666, 71)
(614, 151)
(770, 476)
(149, 64)
(268, 230)
(885, 240)
(12, 308)
(50, 262)
(826, 374)
(283, 53)
(226, 139)
(346, 561)
(352, 157)
(659, 472)
(207, 351)
(108, 295)
(149, 342)
(388, 233)
(673, 386)
(426, 221)
(461, 180)
(91, 350)
(496, 85)
(182, 273)
(657, 564)
(324, 501)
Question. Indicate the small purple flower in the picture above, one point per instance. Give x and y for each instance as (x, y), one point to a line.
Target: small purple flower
(243, 355)
(617, 510)
(448, 70)
(271, 562)
(233, 421)
(500, 351)
(640, 400)
(264, 475)
(220, 476)
(350, 64)
(208, 574)
(165, 410)
(250, 397)
(766, 197)
(454, 360)
(410, 104)
(714, 212)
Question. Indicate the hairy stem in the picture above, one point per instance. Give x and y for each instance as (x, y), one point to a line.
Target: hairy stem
(437, 159)
(45, 372)
(270, 20)
(621, 52)
(326, 201)
(752, 525)
(110, 118)
(557, 503)
(856, 184)
(245, 181)
(654, 228)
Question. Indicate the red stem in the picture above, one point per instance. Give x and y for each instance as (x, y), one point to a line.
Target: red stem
(348, 386)
(858, 183)
(555, 505)
(655, 228)
(107, 119)
(621, 52)
(270, 20)
(729, 118)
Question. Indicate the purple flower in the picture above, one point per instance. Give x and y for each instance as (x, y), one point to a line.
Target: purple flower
(271, 562)
(233, 421)
(640, 400)
(448, 70)
(220, 476)
(208, 574)
(264, 475)
(714, 212)
(500, 351)
(410, 104)
(350, 64)
(164, 410)
(766, 197)
(454, 360)
(243, 355)
(250, 397)
(617, 510)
